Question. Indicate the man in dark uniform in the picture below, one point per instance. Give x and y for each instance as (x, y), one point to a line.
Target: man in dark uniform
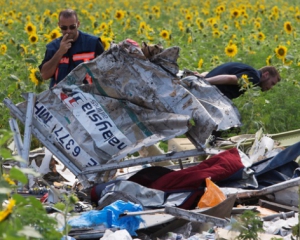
(65, 53)
(225, 77)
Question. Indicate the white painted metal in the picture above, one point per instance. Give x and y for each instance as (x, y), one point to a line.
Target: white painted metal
(28, 126)
(17, 136)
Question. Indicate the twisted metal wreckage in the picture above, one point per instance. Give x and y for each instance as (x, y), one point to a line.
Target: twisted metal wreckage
(132, 102)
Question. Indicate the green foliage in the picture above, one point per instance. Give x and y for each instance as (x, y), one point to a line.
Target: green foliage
(273, 110)
(60, 205)
(269, 110)
(249, 225)
(163, 145)
(21, 218)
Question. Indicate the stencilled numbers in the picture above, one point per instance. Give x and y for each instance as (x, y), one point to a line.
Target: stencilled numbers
(66, 141)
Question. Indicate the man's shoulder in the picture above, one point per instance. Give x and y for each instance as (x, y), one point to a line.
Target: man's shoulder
(85, 35)
(236, 64)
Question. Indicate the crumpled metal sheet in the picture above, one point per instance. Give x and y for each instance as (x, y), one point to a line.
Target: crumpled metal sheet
(132, 103)
(225, 114)
(122, 73)
(90, 129)
(148, 197)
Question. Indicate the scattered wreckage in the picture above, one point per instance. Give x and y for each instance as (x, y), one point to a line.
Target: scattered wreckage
(134, 102)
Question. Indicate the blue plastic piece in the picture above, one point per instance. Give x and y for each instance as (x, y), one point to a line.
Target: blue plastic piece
(109, 217)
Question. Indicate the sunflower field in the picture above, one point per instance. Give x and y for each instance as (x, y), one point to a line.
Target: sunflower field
(208, 32)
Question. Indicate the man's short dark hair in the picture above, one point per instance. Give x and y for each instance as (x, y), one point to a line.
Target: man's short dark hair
(272, 71)
(67, 13)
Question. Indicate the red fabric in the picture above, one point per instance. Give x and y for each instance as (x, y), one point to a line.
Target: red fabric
(94, 196)
(44, 198)
(218, 167)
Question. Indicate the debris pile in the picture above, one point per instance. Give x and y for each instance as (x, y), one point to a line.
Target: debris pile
(90, 133)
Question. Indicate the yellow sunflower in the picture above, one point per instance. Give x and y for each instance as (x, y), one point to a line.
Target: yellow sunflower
(104, 16)
(106, 42)
(54, 34)
(216, 33)
(287, 62)
(190, 39)
(22, 49)
(220, 9)
(47, 13)
(165, 34)
(149, 36)
(10, 22)
(8, 179)
(257, 25)
(33, 38)
(261, 36)
(143, 25)
(269, 61)
(188, 17)
(235, 13)
(7, 210)
(215, 60)
(200, 23)
(200, 63)
(35, 76)
(127, 24)
(103, 26)
(119, 15)
(19, 15)
(30, 28)
(231, 50)
(3, 49)
(138, 17)
(297, 16)
(156, 10)
(281, 52)
(244, 81)
(288, 27)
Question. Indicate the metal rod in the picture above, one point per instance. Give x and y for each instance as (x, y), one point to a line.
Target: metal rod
(267, 190)
(17, 136)
(28, 126)
(281, 215)
(147, 212)
(196, 217)
(145, 160)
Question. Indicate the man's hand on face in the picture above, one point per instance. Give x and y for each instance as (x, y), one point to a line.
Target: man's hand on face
(65, 44)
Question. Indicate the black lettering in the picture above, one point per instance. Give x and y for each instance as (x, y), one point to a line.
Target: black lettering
(46, 120)
(40, 114)
(86, 107)
(122, 146)
(107, 134)
(37, 108)
(45, 116)
(114, 141)
(95, 117)
(94, 163)
(105, 123)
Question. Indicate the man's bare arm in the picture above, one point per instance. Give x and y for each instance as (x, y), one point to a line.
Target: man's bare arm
(49, 68)
(223, 79)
